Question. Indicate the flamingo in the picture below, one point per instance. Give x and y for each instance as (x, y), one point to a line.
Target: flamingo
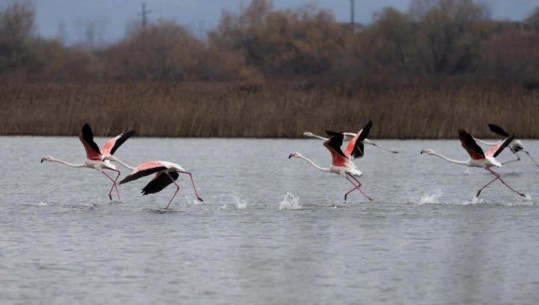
(478, 157)
(342, 162)
(347, 136)
(165, 174)
(515, 146)
(98, 159)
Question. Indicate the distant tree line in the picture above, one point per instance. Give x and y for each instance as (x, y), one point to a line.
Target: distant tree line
(435, 41)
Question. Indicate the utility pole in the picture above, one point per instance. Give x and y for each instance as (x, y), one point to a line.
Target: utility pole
(144, 14)
(352, 10)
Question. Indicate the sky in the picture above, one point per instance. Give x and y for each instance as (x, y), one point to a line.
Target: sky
(70, 19)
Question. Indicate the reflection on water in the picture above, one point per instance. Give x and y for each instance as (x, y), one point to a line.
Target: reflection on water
(271, 230)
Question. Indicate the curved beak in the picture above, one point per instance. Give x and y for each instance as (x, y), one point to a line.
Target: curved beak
(290, 155)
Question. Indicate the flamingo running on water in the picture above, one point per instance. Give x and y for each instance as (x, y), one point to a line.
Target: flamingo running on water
(96, 158)
(342, 161)
(478, 157)
(515, 146)
(165, 174)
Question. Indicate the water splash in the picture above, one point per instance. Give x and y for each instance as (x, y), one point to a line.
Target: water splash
(430, 198)
(475, 200)
(237, 202)
(290, 202)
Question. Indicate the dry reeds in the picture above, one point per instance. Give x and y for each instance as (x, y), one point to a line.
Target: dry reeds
(229, 110)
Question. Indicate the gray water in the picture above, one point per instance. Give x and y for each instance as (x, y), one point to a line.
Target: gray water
(271, 230)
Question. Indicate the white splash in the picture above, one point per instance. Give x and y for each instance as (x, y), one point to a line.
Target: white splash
(430, 198)
(290, 202)
(42, 203)
(475, 200)
(237, 202)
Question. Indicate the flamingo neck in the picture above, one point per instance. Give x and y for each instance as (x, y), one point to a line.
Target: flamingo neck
(460, 162)
(320, 168)
(121, 162)
(67, 163)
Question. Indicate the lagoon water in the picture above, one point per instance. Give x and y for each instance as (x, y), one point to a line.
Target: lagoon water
(271, 230)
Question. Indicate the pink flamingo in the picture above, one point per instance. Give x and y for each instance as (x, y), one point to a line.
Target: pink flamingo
(478, 157)
(98, 159)
(166, 173)
(342, 162)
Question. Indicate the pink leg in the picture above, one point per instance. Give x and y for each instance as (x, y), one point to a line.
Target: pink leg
(114, 185)
(357, 185)
(176, 192)
(193, 183)
(499, 178)
(479, 191)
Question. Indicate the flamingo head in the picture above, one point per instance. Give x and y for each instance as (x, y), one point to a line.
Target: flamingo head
(294, 155)
(47, 158)
(516, 146)
(308, 134)
(427, 151)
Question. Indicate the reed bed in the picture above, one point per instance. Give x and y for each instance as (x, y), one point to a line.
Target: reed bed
(230, 110)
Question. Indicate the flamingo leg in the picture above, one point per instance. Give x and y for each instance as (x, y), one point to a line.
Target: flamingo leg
(177, 189)
(357, 185)
(114, 185)
(501, 180)
(193, 183)
(515, 160)
(530, 157)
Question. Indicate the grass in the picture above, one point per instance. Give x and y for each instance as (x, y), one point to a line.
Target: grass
(230, 110)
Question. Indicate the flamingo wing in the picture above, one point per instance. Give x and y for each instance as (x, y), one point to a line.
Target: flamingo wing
(113, 144)
(333, 144)
(87, 138)
(495, 150)
(356, 148)
(498, 130)
(470, 145)
(144, 169)
(159, 182)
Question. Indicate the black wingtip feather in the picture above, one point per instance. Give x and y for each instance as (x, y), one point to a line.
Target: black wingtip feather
(498, 130)
(159, 183)
(88, 136)
(121, 140)
(504, 145)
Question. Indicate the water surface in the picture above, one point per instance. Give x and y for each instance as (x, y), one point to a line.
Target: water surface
(271, 230)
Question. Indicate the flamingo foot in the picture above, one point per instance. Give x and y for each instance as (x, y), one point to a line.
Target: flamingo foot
(200, 199)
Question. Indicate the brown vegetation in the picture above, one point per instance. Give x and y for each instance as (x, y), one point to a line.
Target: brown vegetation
(224, 110)
(271, 73)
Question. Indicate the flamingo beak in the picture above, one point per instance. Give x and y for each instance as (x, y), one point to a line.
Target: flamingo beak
(42, 159)
(421, 152)
(291, 155)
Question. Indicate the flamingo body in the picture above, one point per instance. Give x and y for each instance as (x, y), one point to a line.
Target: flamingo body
(165, 173)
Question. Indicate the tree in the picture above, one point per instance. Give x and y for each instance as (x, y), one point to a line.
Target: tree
(16, 34)
(450, 32)
(162, 51)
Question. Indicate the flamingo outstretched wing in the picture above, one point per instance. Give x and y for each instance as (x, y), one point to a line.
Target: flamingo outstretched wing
(87, 138)
(470, 145)
(356, 148)
(144, 169)
(113, 144)
(495, 150)
(159, 182)
(333, 144)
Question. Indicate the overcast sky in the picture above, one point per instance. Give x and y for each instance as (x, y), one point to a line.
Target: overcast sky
(71, 17)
